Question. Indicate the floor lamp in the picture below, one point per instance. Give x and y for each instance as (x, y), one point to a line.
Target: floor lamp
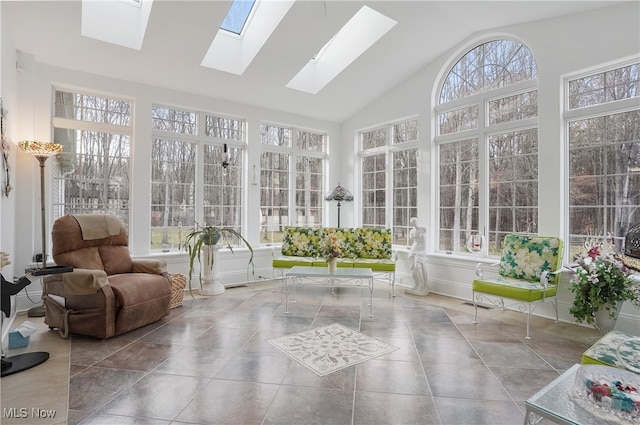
(339, 194)
(41, 151)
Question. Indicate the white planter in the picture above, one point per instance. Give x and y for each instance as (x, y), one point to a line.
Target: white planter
(211, 284)
(332, 265)
(604, 322)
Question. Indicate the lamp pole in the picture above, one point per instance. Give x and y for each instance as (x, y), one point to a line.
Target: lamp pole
(41, 151)
(43, 220)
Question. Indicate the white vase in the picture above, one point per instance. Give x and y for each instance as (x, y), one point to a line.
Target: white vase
(604, 322)
(211, 284)
(332, 265)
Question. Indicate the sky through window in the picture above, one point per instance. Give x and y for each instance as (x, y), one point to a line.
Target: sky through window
(237, 16)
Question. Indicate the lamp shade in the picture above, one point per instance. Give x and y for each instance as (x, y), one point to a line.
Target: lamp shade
(40, 149)
(339, 194)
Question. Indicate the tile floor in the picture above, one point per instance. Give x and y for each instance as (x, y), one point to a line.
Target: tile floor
(208, 362)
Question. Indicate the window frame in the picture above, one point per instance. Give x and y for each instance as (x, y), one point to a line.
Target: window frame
(201, 140)
(82, 125)
(599, 110)
(389, 149)
(293, 152)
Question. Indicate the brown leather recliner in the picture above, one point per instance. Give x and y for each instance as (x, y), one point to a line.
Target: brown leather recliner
(108, 293)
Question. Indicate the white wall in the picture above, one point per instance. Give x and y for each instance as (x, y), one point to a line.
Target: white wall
(561, 46)
(8, 92)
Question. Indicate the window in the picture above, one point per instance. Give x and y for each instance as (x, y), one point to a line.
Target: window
(292, 161)
(186, 192)
(237, 16)
(390, 197)
(487, 144)
(223, 186)
(173, 169)
(91, 175)
(603, 124)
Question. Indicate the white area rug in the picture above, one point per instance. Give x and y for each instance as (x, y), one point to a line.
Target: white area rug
(330, 348)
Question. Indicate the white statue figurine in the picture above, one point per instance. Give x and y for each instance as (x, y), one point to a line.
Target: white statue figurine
(418, 258)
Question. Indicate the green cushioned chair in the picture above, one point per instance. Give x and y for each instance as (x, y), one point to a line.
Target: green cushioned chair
(527, 274)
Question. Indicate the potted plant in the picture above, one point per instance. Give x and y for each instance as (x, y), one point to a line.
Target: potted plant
(201, 242)
(601, 283)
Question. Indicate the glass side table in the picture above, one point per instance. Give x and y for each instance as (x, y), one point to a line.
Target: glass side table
(554, 403)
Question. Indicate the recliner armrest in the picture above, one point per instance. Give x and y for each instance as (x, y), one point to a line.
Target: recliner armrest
(84, 281)
(149, 265)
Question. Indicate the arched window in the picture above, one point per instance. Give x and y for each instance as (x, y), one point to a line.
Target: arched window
(487, 144)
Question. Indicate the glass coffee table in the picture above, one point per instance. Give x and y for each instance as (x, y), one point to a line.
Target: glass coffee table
(554, 403)
(321, 275)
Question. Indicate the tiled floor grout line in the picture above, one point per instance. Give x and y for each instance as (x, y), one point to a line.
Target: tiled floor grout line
(413, 343)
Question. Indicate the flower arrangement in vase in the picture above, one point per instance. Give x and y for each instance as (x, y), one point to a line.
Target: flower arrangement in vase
(601, 283)
(332, 249)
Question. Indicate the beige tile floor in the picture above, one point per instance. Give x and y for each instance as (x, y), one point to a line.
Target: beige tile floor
(44, 388)
(208, 362)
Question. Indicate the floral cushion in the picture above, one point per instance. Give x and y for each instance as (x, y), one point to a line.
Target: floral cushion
(301, 242)
(355, 243)
(527, 257)
(373, 243)
(609, 348)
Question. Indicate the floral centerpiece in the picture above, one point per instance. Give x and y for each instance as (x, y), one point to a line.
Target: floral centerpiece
(601, 282)
(331, 246)
(331, 249)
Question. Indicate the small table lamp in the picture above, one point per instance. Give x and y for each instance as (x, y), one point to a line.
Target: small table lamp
(339, 194)
(41, 151)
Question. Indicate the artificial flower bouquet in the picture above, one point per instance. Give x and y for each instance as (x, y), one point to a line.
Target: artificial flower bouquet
(601, 280)
(331, 245)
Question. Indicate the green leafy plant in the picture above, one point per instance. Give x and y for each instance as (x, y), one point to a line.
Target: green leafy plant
(600, 280)
(210, 235)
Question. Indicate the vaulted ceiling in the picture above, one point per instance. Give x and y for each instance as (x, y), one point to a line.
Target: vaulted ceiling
(179, 34)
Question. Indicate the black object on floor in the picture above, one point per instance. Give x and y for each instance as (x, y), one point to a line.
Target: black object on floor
(20, 362)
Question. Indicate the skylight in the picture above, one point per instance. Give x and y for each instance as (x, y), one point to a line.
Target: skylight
(237, 16)
(361, 32)
(230, 53)
(117, 22)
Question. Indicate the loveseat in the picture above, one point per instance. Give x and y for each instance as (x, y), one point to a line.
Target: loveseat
(360, 247)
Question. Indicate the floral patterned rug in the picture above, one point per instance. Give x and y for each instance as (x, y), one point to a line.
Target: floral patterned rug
(330, 348)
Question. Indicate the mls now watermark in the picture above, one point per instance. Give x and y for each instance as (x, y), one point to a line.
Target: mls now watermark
(24, 413)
